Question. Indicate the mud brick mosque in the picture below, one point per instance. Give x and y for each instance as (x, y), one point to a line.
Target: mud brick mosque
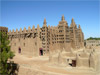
(39, 41)
(61, 43)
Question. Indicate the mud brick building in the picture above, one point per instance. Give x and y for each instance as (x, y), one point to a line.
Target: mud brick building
(39, 41)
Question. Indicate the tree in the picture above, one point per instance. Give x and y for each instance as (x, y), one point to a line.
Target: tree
(93, 38)
(5, 55)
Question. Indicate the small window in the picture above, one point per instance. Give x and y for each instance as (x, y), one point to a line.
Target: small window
(68, 60)
(24, 44)
(24, 38)
(19, 40)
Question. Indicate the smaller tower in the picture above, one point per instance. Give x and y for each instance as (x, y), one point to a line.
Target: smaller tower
(44, 23)
(73, 23)
(79, 26)
(63, 18)
(72, 20)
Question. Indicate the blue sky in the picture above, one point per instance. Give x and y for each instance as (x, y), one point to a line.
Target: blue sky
(20, 14)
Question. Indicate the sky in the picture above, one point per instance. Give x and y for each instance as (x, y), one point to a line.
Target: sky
(24, 13)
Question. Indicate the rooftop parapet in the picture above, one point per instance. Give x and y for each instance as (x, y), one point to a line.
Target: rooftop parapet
(21, 31)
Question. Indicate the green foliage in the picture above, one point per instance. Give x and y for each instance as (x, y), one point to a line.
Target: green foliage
(91, 38)
(5, 54)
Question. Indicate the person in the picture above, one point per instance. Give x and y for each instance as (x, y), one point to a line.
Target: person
(19, 50)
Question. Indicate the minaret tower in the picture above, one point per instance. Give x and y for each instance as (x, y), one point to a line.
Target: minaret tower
(44, 35)
(63, 18)
(44, 23)
(81, 36)
(73, 33)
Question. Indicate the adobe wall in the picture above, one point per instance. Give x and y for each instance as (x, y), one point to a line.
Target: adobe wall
(29, 46)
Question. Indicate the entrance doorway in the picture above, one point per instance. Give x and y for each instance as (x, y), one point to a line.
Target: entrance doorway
(19, 50)
(73, 63)
(41, 51)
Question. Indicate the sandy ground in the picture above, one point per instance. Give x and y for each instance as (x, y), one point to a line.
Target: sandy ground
(41, 66)
(98, 71)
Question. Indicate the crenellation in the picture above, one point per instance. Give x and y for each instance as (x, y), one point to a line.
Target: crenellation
(9, 32)
(20, 31)
(13, 31)
(24, 30)
(33, 28)
(16, 31)
(29, 29)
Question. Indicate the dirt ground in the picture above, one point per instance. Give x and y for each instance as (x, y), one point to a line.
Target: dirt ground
(40, 66)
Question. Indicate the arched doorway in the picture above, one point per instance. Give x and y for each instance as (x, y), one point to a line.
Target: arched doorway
(73, 63)
(19, 50)
(41, 51)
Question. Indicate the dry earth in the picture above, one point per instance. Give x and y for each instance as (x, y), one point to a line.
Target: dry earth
(41, 66)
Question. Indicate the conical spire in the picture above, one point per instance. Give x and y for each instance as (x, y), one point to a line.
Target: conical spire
(33, 27)
(9, 31)
(72, 23)
(63, 18)
(79, 26)
(20, 29)
(29, 28)
(16, 30)
(38, 29)
(13, 30)
(48, 26)
(75, 26)
(45, 21)
(24, 29)
(38, 26)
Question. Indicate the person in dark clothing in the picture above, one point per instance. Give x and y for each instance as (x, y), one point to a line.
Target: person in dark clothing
(19, 50)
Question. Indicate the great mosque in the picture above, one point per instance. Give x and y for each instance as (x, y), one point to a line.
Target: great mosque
(39, 41)
(60, 43)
